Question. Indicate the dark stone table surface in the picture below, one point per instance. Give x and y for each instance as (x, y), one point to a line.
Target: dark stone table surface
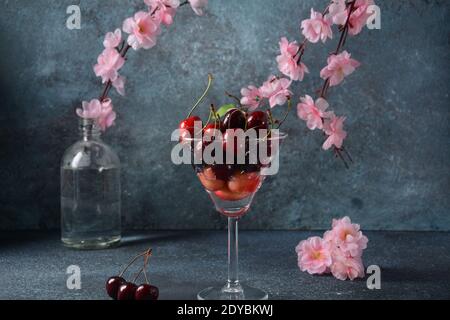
(414, 265)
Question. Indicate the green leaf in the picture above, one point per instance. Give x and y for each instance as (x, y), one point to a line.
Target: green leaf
(224, 109)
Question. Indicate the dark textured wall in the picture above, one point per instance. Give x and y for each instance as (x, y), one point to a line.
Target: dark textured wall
(397, 106)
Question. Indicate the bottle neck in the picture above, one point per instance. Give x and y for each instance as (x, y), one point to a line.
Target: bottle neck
(89, 130)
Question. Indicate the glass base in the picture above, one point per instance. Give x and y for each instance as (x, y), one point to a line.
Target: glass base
(92, 244)
(224, 293)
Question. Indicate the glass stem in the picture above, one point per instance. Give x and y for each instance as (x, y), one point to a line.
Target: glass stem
(233, 284)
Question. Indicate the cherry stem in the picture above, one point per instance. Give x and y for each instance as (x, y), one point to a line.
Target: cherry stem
(145, 253)
(272, 122)
(235, 98)
(145, 268)
(286, 114)
(216, 116)
(210, 80)
(211, 112)
(138, 274)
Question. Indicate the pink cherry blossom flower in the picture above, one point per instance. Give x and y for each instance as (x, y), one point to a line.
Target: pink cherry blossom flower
(113, 39)
(314, 255)
(347, 236)
(334, 130)
(317, 27)
(90, 110)
(346, 267)
(108, 64)
(359, 16)
(107, 115)
(101, 112)
(164, 9)
(288, 48)
(251, 97)
(198, 6)
(338, 67)
(119, 85)
(337, 12)
(288, 63)
(313, 112)
(143, 30)
(340, 251)
(276, 90)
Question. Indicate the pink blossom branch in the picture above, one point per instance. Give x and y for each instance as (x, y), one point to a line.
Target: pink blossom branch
(299, 56)
(326, 85)
(302, 47)
(108, 85)
(323, 92)
(123, 50)
(342, 39)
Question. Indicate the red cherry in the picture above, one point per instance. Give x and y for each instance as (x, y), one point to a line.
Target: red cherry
(234, 119)
(229, 139)
(244, 183)
(210, 181)
(209, 135)
(223, 171)
(257, 120)
(210, 131)
(146, 292)
(189, 122)
(112, 286)
(226, 195)
(213, 125)
(126, 291)
(187, 127)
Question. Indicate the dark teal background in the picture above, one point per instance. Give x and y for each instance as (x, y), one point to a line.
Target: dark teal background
(397, 105)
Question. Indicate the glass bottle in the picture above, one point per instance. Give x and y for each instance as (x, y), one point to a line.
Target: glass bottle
(90, 192)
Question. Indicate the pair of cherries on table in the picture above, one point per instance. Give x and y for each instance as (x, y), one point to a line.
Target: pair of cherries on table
(120, 289)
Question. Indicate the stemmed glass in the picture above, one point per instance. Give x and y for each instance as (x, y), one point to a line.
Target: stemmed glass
(232, 188)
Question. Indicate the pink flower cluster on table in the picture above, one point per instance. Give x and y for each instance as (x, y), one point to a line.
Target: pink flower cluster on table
(142, 28)
(351, 14)
(339, 252)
